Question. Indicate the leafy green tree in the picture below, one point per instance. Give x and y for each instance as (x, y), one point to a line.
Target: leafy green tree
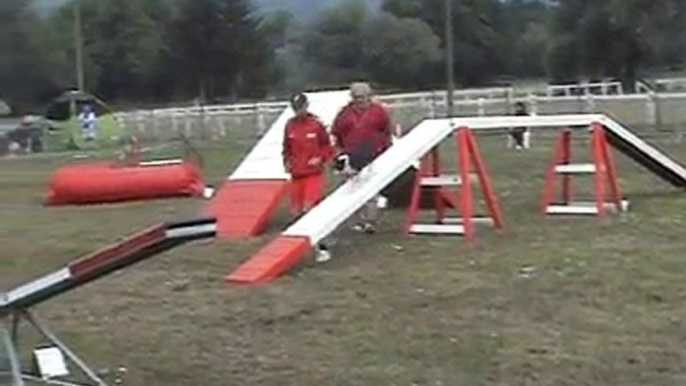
(615, 38)
(401, 51)
(127, 48)
(479, 43)
(219, 49)
(27, 64)
(525, 25)
(335, 43)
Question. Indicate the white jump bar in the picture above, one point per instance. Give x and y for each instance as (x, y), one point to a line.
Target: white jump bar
(583, 208)
(475, 220)
(162, 162)
(446, 180)
(575, 169)
(437, 229)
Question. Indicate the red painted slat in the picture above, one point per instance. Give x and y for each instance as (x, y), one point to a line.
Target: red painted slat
(243, 208)
(117, 251)
(276, 258)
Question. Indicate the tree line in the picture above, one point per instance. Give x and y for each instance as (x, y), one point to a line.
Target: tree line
(158, 51)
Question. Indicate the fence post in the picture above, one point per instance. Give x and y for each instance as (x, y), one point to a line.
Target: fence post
(590, 103)
(175, 123)
(140, 121)
(261, 120)
(652, 110)
(203, 122)
(222, 126)
(187, 127)
(433, 106)
(533, 103)
(154, 116)
(429, 106)
(509, 96)
(480, 105)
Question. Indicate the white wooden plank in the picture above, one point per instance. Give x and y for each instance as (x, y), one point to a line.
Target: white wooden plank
(555, 122)
(575, 169)
(437, 229)
(327, 104)
(342, 203)
(188, 231)
(571, 210)
(643, 146)
(446, 180)
(475, 220)
(39, 284)
(161, 162)
(583, 208)
(346, 200)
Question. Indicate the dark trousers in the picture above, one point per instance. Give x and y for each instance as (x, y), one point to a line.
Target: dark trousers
(518, 135)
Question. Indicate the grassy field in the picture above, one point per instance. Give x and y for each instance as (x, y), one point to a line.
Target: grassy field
(546, 302)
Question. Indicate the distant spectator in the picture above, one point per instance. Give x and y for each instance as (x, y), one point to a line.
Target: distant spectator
(519, 135)
(26, 138)
(89, 123)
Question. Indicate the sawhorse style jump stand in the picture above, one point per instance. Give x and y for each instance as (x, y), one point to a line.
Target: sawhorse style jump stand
(602, 168)
(431, 178)
(10, 353)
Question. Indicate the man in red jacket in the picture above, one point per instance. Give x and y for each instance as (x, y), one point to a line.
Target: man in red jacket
(306, 150)
(362, 131)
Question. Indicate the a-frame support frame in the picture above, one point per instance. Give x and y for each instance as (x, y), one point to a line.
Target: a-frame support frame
(19, 375)
(468, 157)
(602, 168)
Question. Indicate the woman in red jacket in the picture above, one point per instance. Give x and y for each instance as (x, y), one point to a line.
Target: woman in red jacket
(306, 150)
(362, 131)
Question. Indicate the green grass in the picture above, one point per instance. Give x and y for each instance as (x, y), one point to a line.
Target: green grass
(603, 306)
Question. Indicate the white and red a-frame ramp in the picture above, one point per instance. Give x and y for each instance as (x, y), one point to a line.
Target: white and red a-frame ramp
(285, 251)
(246, 202)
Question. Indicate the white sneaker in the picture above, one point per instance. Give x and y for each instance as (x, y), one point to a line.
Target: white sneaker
(323, 256)
(366, 227)
(357, 227)
(369, 228)
(381, 202)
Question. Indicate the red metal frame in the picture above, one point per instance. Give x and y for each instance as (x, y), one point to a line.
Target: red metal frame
(468, 155)
(605, 171)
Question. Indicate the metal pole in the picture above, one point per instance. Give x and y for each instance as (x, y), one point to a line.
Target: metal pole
(53, 339)
(78, 47)
(449, 55)
(15, 366)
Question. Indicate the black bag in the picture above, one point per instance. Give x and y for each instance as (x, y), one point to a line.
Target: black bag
(363, 155)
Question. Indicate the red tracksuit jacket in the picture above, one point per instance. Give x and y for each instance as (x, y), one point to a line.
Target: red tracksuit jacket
(353, 127)
(306, 139)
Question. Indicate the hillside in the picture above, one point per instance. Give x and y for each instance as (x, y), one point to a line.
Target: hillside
(304, 9)
(48, 5)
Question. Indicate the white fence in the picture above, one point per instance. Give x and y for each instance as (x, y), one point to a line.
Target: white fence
(646, 109)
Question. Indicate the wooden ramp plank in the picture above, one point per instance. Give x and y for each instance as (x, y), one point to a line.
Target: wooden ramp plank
(243, 208)
(276, 258)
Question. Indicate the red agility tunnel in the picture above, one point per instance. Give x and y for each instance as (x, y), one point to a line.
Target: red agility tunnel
(106, 183)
